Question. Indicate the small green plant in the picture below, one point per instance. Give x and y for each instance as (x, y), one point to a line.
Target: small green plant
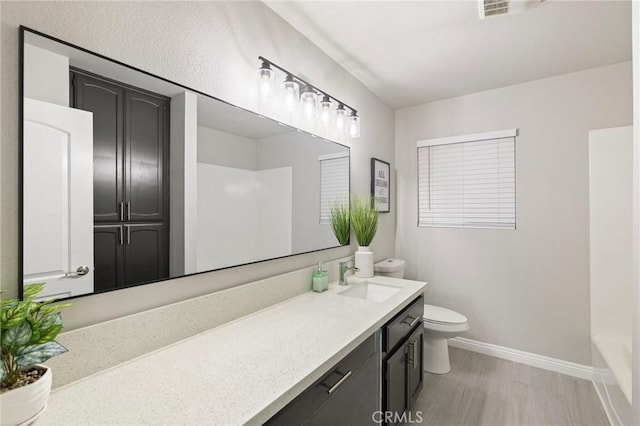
(28, 329)
(364, 219)
(340, 221)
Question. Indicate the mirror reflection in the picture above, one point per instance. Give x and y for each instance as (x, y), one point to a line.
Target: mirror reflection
(129, 179)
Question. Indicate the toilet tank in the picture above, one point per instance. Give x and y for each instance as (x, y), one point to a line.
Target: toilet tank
(390, 268)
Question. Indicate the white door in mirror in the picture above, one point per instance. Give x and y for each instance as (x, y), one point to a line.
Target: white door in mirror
(58, 199)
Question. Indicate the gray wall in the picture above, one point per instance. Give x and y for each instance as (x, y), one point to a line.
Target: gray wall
(526, 289)
(289, 149)
(212, 47)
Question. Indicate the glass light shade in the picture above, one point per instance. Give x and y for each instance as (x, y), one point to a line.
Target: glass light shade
(290, 92)
(354, 125)
(308, 98)
(325, 110)
(265, 80)
(341, 117)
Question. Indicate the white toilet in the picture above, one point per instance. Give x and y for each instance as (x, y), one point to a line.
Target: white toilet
(439, 323)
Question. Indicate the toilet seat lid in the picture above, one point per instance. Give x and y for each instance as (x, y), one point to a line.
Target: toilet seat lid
(442, 315)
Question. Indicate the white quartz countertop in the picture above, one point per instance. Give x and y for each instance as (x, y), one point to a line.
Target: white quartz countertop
(242, 372)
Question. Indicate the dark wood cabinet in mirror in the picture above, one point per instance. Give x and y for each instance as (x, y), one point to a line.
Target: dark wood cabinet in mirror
(128, 178)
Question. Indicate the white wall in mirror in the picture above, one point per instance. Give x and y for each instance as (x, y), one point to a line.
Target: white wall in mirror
(46, 75)
(248, 209)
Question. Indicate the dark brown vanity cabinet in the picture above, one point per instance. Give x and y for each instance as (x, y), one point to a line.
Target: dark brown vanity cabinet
(131, 187)
(146, 149)
(108, 257)
(402, 365)
(347, 395)
(144, 254)
(128, 254)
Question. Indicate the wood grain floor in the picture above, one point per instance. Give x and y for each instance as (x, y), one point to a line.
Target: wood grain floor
(483, 390)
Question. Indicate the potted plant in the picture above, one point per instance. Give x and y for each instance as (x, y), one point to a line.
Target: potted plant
(364, 221)
(340, 221)
(28, 328)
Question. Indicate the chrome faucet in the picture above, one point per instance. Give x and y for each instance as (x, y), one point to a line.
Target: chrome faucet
(344, 270)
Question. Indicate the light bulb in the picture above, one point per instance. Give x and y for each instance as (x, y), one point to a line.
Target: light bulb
(341, 117)
(290, 92)
(354, 125)
(308, 98)
(325, 110)
(265, 79)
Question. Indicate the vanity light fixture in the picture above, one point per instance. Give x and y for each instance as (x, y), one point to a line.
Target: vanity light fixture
(354, 125)
(265, 79)
(325, 110)
(308, 98)
(341, 117)
(314, 102)
(290, 92)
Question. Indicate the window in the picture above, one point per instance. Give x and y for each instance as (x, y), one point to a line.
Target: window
(334, 183)
(468, 181)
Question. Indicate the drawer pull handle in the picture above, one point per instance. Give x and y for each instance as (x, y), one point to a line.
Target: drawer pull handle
(333, 388)
(411, 321)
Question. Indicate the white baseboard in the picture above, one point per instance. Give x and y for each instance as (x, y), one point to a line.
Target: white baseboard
(522, 357)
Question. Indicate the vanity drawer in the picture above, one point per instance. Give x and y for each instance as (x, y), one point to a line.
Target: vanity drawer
(401, 325)
(353, 370)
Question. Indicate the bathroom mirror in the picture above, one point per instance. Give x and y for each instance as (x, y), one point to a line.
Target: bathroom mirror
(128, 178)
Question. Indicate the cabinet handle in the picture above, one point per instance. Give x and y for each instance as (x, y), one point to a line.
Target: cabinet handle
(121, 235)
(411, 355)
(128, 235)
(121, 207)
(411, 321)
(128, 211)
(333, 388)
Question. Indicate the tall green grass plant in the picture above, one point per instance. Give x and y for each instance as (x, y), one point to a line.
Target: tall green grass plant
(364, 219)
(340, 221)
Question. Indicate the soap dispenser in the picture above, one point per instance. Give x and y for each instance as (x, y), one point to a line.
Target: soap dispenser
(320, 278)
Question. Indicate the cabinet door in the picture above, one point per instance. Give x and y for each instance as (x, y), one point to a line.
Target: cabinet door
(394, 387)
(106, 101)
(145, 253)
(146, 155)
(354, 402)
(108, 257)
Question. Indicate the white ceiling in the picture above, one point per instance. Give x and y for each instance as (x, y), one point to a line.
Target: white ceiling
(412, 52)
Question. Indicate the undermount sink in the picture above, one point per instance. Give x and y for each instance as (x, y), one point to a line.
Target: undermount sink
(372, 292)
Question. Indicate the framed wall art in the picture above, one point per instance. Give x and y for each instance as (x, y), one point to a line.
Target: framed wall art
(381, 184)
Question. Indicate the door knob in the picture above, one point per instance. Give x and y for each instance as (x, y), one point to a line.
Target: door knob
(82, 270)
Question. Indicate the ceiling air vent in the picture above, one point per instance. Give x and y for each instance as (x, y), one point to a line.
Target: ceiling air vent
(493, 8)
(489, 8)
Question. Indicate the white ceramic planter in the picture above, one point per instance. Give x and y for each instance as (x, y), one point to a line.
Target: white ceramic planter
(364, 262)
(23, 405)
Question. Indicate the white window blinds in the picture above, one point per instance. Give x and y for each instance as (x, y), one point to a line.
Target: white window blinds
(334, 183)
(467, 183)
